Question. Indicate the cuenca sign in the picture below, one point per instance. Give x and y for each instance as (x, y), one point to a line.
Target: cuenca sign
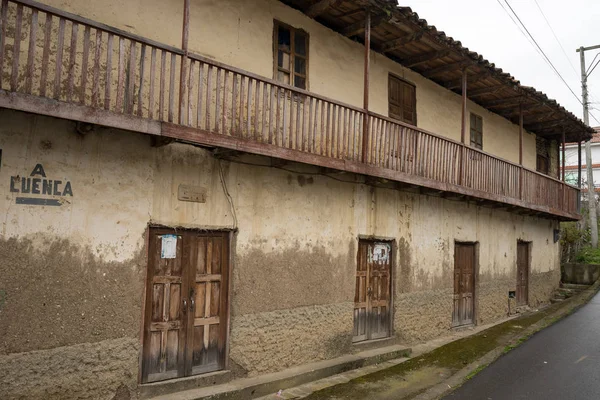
(38, 184)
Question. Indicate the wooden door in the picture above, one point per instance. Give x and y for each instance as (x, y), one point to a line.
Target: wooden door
(522, 273)
(185, 322)
(464, 284)
(372, 298)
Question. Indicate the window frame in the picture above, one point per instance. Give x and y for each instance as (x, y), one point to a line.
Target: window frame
(414, 99)
(471, 128)
(292, 73)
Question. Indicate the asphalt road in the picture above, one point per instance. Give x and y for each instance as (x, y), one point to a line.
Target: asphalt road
(561, 362)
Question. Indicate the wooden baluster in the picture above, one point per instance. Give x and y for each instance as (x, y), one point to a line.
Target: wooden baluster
(200, 94)
(207, 126)
(224, 112)
(31, 53)
(152, 80)
(59, 57)
(140, 105)
(277, 140)
(3, 23)
(256, 110)
(218, 101)
(271, 106)
(285, 136)
(16, 49)
(121, 75)
(45, 54)
(328, 135)
(322, 133)
(297, 133)
(73, 54)
(241, 109)
(171, 111)
(108, 83)
(161, 85)
(190, 97)
(84, 64)
(265, 93)
(234, 105)
(249, 108)
(96, 75)
(131, 78)
(344, 133)
(312, 125)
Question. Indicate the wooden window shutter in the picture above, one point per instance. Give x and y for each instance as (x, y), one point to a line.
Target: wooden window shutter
(402, 100)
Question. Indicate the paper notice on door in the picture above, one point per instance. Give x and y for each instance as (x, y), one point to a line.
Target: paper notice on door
(381, 252)
(168, 246)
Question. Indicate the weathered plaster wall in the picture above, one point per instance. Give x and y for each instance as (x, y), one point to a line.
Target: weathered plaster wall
(240, 33)
(76, 271)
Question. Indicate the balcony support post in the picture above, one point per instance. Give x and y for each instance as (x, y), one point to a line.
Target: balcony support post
(185, 35)
(463, 127)
(579, 176)
(365, 138)
(521, 175)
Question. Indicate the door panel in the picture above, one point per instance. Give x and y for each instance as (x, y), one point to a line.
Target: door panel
(187, 310)
(209, 317)
(522, 273)
(165, 325)
(464, 284)
(372, 296)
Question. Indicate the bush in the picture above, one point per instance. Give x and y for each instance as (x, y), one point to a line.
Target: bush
(588, 255)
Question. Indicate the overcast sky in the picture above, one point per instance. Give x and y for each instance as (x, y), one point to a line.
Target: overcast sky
(485, 27)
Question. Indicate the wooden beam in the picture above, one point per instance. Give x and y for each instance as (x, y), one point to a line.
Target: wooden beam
(400, 42)
(457, 83)
(423, 58)
(485, 90)
(445, 68)
(358, 27)
(512, 110)
(514, 100)
(319, 8)
(545, 124)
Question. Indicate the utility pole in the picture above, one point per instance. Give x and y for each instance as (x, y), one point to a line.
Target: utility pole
(588, 148)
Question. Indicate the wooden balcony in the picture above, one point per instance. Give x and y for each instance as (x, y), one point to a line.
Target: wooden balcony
(66, 66)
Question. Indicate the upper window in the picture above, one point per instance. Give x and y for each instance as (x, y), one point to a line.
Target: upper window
(402, 100)
(476, 131)
(290, 55)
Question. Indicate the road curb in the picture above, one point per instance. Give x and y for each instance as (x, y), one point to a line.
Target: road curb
(570, 306)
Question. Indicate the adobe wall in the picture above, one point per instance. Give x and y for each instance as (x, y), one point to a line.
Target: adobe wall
(73, 274)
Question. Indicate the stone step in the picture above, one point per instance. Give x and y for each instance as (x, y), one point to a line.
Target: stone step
(251, 388)
(556, 300)
(574, 286)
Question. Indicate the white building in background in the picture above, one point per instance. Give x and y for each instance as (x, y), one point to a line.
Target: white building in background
(571, 162)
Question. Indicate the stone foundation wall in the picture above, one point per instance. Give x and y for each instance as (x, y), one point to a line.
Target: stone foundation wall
(275, 340)
(105, 370)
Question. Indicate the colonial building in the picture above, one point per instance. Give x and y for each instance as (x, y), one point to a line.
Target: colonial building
(191, 186)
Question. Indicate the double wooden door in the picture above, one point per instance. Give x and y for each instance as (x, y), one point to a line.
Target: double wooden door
(522, 273)
(185, 324)
(464, 284)
(372, 298)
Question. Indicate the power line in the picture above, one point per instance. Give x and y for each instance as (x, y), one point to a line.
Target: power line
(547, 59)
(556, 37)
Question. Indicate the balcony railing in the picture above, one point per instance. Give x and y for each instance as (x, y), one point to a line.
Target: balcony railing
(104, 70)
